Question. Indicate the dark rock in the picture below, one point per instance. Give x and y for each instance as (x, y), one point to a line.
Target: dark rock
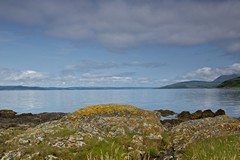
(7, 113)
(171, 122)
(197, 115)
(219, 112)
(184, 115)
(165, 113)
(9, 118)
(207, 113)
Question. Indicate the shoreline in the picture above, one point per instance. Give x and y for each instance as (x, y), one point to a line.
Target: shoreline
(10, 118)
(136, 132)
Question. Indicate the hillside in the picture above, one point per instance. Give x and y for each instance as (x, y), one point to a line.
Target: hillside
(232, 83)
(200, 84)
(191, 84)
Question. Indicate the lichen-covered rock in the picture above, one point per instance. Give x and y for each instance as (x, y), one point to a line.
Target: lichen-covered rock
(75, 132)
(194, 130)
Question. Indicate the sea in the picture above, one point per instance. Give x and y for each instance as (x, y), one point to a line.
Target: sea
(38, 101)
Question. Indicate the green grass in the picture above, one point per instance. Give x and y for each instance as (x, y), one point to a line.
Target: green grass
(64, 133)
(222, 148)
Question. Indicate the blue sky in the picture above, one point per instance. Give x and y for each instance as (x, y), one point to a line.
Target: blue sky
(117, 43)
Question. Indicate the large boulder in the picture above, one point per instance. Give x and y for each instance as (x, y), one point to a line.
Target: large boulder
(197, 115)
(184, 115)
(207, 113)
(90, 131)
(219, 112)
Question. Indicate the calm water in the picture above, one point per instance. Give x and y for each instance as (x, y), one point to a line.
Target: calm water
(151, 99)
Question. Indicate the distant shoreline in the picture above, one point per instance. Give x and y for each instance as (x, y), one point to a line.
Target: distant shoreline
(13, 88)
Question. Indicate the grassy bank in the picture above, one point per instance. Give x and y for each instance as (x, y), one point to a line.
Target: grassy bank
(224, 148)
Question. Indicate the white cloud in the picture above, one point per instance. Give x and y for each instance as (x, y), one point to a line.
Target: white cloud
(14, 77)
(209, 74)
(124, 23)
(34, 78)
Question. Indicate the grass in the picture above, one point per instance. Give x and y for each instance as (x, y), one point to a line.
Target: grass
(222, 148)
(64, 132)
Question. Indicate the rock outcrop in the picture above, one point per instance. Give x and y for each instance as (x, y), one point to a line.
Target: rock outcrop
(194, 130)
(123, 127)
(9, 118)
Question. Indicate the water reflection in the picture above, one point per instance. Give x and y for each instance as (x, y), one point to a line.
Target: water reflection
(173, 99)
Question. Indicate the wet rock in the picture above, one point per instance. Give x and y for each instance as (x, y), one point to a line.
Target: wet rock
(219, 112)
(166, 112)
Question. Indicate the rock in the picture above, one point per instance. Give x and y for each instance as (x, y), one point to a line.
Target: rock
(124, 125)
(171, 122)
(12, 155)
(156, 137)
(207, 113)
(197, 115)
(184, 115)
(23, 141)
(59, 144)
(219, 112)
(80, 143)
(166, 112)
(194, 130)
(7, 114)
(51, 157)
(9, 118)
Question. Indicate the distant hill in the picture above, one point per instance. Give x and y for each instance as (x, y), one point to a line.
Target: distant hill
(232, 83)
(200, 84)
(192, 84)
(21, 88)
(225, 78)
(67, 88)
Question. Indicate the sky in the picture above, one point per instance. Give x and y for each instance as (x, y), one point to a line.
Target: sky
(138, 43)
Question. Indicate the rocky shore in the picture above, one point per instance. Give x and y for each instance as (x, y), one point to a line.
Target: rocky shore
(9, 118)
(108, 131)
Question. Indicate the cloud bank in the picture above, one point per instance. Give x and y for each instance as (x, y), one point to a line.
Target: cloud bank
(129, 23)
(9, 77)
(209, 74)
